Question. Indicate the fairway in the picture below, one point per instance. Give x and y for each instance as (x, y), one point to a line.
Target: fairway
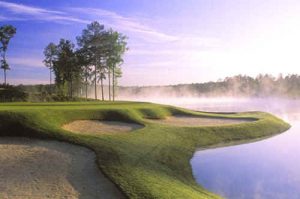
(148, 162)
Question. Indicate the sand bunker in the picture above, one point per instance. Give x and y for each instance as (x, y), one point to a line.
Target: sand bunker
(49, 169)
(197, 121)
(100, 127)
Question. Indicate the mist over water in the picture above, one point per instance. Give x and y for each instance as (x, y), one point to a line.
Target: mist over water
(288, 109)
(261, 170)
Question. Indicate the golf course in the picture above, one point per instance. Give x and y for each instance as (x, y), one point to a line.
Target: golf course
(139, 150)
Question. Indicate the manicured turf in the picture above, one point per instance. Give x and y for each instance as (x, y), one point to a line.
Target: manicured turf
(151, 162)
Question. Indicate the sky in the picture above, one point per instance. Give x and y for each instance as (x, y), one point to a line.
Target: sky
(170, 41)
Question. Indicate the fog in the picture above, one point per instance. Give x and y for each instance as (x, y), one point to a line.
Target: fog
(285, 108)
(215, 99)
(236, 89)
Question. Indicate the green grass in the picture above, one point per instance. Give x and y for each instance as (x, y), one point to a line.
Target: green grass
(152, 162)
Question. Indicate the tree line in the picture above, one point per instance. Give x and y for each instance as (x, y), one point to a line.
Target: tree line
(263, 85)
(98, 57)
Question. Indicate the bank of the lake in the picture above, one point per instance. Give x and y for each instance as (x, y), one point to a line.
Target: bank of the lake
(149, 162)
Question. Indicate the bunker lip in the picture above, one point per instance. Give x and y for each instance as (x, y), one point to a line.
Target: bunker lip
(32, 168)
(99, 127)
(196, 121)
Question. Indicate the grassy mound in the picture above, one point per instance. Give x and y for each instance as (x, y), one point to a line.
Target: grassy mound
(151, 162)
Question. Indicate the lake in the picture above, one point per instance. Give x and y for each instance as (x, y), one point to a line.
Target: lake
(265, 169)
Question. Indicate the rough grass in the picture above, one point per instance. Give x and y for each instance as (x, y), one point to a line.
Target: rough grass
(152, 162)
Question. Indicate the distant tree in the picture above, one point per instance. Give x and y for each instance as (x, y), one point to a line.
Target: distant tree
(50, 56)
(6, 33)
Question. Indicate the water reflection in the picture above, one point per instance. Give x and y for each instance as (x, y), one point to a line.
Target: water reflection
(264, 169)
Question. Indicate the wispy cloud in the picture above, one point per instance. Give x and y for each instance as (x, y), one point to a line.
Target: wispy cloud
(27, 81)
(15, 11)
(22, 9)
(3, 18)
(10, 18)
(127, 24)
(133, 26)
(155, 64)
(26, 61)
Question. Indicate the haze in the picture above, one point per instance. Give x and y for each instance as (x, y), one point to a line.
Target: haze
(170, 42)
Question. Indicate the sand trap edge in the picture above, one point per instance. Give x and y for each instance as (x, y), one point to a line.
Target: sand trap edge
(100, 127)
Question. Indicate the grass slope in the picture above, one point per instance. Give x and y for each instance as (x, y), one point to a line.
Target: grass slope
(152, 162)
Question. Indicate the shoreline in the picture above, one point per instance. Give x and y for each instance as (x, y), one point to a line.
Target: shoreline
(236, 143)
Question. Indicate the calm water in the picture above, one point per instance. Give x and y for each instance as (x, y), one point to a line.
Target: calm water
(265, 169)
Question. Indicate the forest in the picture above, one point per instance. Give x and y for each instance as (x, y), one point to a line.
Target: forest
(263, 85)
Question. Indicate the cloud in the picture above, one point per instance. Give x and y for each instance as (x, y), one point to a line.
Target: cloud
(142, 66)
(196, 42)
(27, 62)
(5, 18)
(19, 8)
(16, 11)
(27, 81)
(126, 24)
(135, 27)
(186, 46)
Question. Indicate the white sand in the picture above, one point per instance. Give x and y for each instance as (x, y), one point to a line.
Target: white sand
(31, 168)
(95, 127)
(180, 120)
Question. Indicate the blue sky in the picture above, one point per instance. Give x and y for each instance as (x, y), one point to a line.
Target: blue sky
(170, 41)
